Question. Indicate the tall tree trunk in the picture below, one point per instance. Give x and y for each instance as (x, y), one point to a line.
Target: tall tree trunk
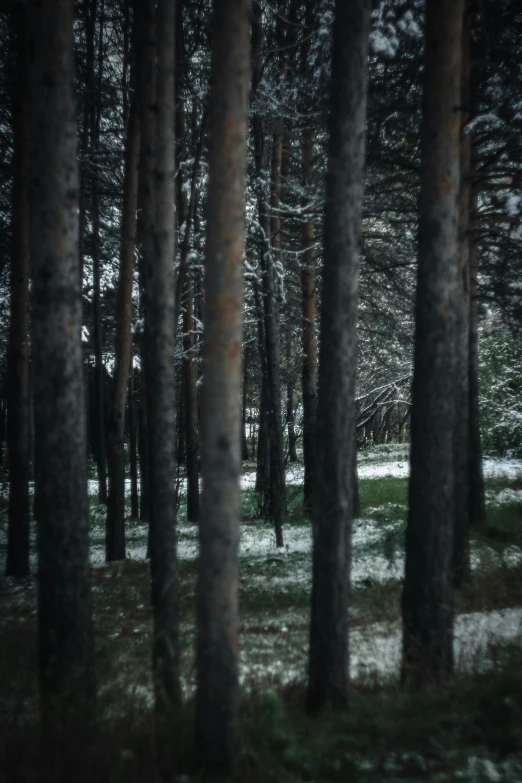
(477, 495)
(427, 605)
(309, 376)
(276, 504)
(290, 418)
(99, 384)
(244, 415)
(115, 532)
(133, 440)
(18, 348)
(336, 415)
(217, 654)
(160, 337)
(186, 282)
(147, 97)
(64, 599)
(461, 555)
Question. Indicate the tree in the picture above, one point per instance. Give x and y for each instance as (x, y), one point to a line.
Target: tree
(18, 352)
(427, 604)
(217, 662)
(334, 486)
(115, 534)
(64, 603)
(160, 336)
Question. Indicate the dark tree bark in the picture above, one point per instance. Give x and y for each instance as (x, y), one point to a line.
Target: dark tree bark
(115, 532)
(276, 497)
(477, 495)
(336, 415)
(18, 347)
(186, 208)
(217, 653)
(160, 337)
(427, 606)
(309, 375)
(133, 442)
(147, 98)
(99, 371)
(244, 415)
(461, 555)
(290, 418)
(64, 602)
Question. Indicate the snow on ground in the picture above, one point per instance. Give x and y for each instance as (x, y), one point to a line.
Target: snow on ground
(372, 465)
(375, 650)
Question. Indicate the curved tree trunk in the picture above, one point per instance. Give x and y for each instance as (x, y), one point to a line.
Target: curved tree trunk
(217, 698)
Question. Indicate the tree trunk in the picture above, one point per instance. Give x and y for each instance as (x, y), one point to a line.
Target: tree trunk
(160, 337)
(244, 442)
(427, 606)
(115, 532)
(336, 415)
(276, 504)
(99, 383)
(309, 377)
(133, 440)
(64, 600)
(461, 556)
(18, 348)
(217, 698)
(477, 495)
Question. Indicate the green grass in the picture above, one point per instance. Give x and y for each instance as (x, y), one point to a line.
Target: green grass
(386, 735)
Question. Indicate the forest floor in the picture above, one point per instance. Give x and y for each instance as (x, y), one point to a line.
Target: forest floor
(471, 731)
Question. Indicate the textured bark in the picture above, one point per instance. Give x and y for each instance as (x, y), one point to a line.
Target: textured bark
(244, 442)
(186, 208)
(336, 415)
(427, 606)
(18, 347)
(217, 648)
(477, 494)
(309, 376)
(115, 531)
(99, 371)
(133, 442)
(461, 556)
(276, 490)
(147, 98)
(64, 603)
(160, 337)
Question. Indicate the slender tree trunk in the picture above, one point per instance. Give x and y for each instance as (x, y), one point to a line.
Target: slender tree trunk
(185, 211)
(160, 337)
(427, 606)
(18, 348)
(244, 442)
(477, 495)
(115, 533)
(99, 384)
(277, 490)
(217, 654)
(143, 448)
(336, 416)
(309, 377)
(147, 97)
(64, 601)
(461, 555)
(290, 418)
(133, 440)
